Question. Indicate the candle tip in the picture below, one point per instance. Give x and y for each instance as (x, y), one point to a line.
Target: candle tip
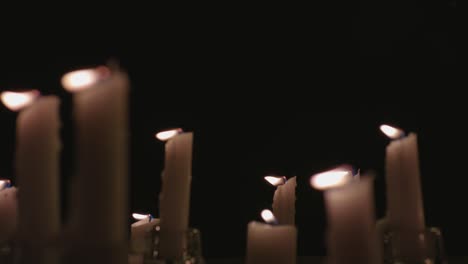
(4, 183)
(268, 216)
(138, 216)
(391, 132)
(83, 79)
(276, 180)
(168, 134)
(16, 101)
(330, 179)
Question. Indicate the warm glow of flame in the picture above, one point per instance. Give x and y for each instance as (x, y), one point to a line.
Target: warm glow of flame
(4, 184)
(391, 132)
(268, 216)
(276, 180)
(329, 179)
(137, 216)
(83, 79)
(166, 135)
(17, 100)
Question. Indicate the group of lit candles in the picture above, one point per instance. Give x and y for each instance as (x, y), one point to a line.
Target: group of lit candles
(99, 188)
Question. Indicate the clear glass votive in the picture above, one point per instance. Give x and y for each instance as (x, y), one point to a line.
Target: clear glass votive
(427, 247)
(192, 248)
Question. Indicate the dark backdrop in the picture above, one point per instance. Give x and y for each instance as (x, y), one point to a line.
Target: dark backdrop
(289, 90)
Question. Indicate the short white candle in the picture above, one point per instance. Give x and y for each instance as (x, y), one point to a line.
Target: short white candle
(351, 236)
(140, 231)
(174, 198)
(8, 212)
(267, 243)
(284, 199)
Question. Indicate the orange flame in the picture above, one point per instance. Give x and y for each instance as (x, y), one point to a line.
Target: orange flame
(391, 132)
(83, 79)
(168, 134)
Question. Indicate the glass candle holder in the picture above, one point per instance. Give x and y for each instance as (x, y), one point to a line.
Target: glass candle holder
(426, 247)
(192, 248)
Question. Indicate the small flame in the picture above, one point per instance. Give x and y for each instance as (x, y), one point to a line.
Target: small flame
(17, 100)
(4, 184)
(268, 216)
(138, 216)
(329, 179)
(275, 180)
(83, 79)
(391, 132)
(166, 135)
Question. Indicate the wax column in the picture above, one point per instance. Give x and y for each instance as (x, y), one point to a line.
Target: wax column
(351, 234)
(37, 171)
(8, 211)
(174, 199)
(404, 195)
(269, 243)
(284, 199)
(99, 220)
(141, 232)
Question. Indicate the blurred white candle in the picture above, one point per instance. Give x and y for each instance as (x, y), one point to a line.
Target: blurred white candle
(99, 216)
(174, 198)
(351, 235)
(8, 212)
(37, 170)
(141, 232)
(404, 195)
(284, 199)
(267, 243)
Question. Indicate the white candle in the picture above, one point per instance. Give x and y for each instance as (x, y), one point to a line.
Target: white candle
(37, 172)
(268, 243)
(284, 199)
(141, 232)
(174, 198)
(404, 195)
(351, 236)
(8, 213)
(99, 191)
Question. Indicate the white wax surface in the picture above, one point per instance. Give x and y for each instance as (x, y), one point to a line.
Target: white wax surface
(271, 243)
(100, 187)
(175, 195)
(8, 213)
(352, 237)
(37, 170)
(284, 202)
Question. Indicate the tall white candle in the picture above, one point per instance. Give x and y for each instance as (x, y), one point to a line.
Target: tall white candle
(174, 198)
(99, 217)
(405, 211)
(8, 213)
(141, 233)
(284, 199)
(351, 236)
(267, 243)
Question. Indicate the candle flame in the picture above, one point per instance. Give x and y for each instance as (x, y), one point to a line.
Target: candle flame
(138, 216)
(275, 180)
(168, 134)
(4, 184)
(84, 79)
(329, 179)
(268, 216)
(391, 132)
(17, 100)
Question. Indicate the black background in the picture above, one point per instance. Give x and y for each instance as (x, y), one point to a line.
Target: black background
(267, 89)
